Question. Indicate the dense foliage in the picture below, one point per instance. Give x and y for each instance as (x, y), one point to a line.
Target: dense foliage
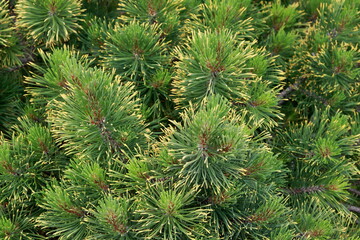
(179, 119)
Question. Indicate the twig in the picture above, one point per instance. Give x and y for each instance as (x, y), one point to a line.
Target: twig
(282, 95)
(302, 190)
(353, 209)
(356, 192)
(24, 61)
(286, 91)
(356, 182)
(314, 95)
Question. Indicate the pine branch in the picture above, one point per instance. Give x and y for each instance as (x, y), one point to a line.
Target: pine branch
(24, 62)
(296, 86)
(353, 208)
(73, 210)
(354, 183)
(302, 190)
(108, 136)
(356, 192)
(287, 91)
(29, 50)
(314, 95)
(259, 218)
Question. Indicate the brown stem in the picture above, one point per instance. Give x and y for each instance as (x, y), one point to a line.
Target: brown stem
(357, 192)
(286, 92)
(301, 190)
(353, 209)
(24, 62)
(282, 95)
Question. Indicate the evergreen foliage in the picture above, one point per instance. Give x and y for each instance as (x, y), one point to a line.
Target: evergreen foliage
(9, 50)
(49, 21)
(183, 119)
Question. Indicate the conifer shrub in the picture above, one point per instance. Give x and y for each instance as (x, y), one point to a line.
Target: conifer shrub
(184, 119)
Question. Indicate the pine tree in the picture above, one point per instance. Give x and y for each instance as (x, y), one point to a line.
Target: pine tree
(184, 119)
